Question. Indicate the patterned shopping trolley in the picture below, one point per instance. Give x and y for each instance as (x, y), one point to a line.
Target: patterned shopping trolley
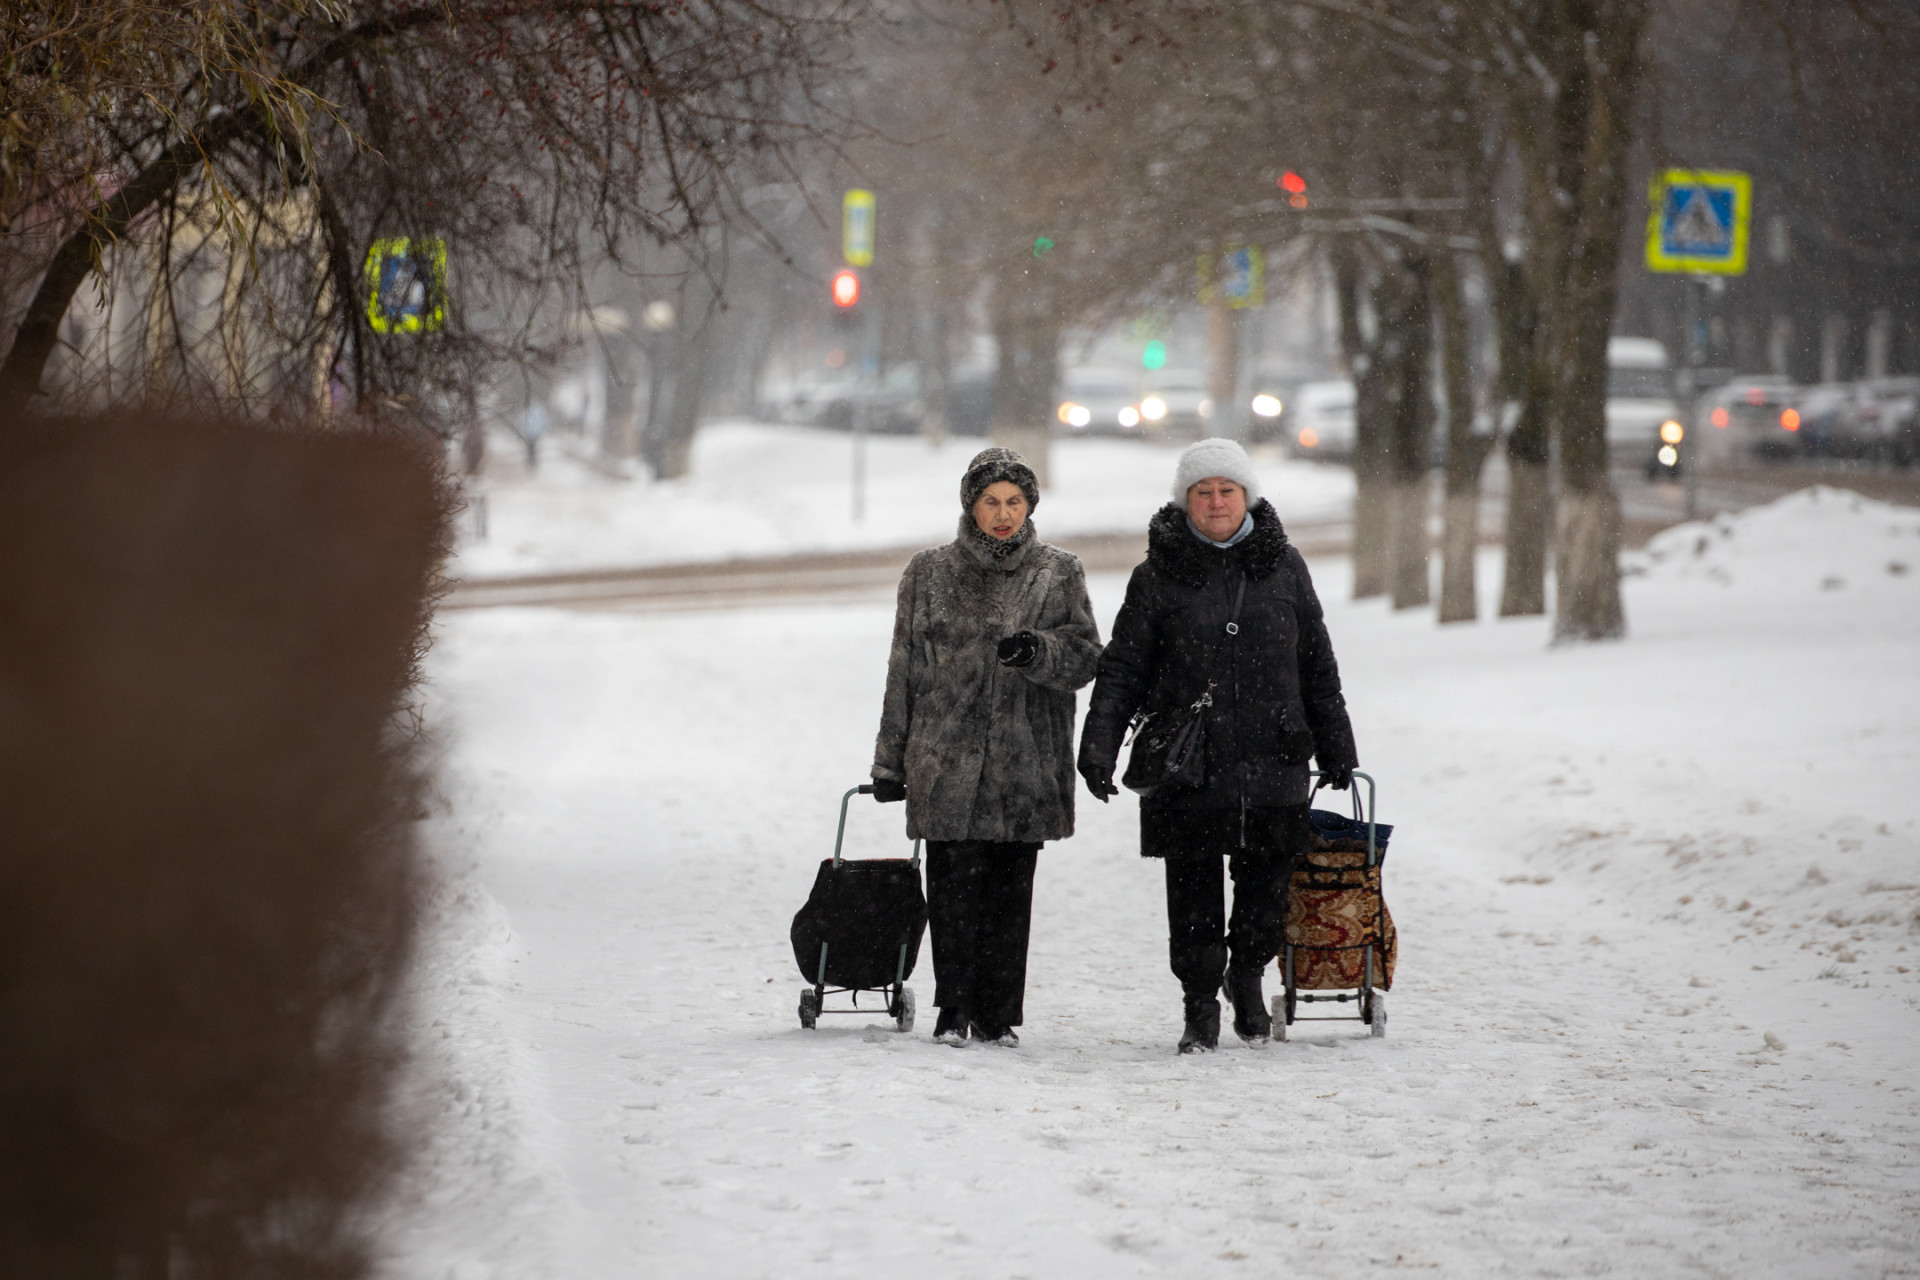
(1340, 943)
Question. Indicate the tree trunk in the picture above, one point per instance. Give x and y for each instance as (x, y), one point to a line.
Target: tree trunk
(1412, 543)
(1372, 488)
(1405, 358)
(1466, 452)
(669, 445)
(1577, 178)
(1223, 366)
(1026, 374)
(1587, 568)
(1523, 591)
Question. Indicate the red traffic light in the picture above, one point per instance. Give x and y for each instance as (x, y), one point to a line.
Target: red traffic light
(1296, 188)
(846, 289)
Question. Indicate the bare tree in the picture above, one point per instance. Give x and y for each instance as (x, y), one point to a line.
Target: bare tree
(531, 141)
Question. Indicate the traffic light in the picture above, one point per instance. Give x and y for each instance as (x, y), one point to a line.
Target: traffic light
(1296, 188)
(846, 289)
(1155, 356)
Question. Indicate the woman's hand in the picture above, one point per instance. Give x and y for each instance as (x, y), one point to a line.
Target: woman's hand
(1099, 781)
(1018, 649)
(1336, 777)
(889, 790)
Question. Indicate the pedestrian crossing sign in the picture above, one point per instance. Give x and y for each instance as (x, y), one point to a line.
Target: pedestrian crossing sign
(1697, 221)
(406, 285)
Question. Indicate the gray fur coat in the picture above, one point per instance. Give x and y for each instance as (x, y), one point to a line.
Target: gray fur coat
(985, 750)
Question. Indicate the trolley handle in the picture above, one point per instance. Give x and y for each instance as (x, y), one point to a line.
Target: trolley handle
(864, 789)
(1373, 857)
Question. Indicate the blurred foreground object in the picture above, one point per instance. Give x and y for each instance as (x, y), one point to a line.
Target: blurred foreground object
(208, 635)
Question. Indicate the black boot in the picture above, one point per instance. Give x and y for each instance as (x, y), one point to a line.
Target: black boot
(995, 1033)
(1203, 1025)
(1251, 1021)
(951, 1026)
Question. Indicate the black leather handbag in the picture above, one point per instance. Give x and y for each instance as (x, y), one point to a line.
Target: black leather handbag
(1171, 750)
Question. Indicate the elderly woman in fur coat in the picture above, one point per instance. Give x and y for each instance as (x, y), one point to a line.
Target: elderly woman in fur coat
(992, 636)
(1223, 615)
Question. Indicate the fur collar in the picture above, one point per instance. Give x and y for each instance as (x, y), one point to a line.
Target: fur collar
(1173, 549)
(988, 552)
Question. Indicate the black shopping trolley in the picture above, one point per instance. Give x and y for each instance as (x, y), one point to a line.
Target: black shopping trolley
(1340, 943)
(859, 932)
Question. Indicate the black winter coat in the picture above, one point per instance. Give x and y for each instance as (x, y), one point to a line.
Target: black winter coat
(1276, 700)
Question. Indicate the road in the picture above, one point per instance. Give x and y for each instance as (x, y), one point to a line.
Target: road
(1646, 509)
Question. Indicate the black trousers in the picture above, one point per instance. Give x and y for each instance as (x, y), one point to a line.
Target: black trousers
(1202, 940)
(979, 910)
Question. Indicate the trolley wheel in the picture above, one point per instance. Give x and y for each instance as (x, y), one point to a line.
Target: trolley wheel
(809, 1008)
(1279, 1017)
(1378, 1020)
(903, 1010)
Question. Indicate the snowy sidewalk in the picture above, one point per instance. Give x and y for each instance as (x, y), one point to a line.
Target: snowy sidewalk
(1656, 1013)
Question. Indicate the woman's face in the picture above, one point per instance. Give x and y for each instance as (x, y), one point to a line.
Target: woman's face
(1000, 510)
(1217, 506)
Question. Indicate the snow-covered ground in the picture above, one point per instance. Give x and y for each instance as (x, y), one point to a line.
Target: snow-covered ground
(756, 489)
(1657, 1011)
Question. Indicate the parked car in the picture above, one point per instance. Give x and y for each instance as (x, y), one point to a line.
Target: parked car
(1321, 421)
(892, 407)
(1892, 418)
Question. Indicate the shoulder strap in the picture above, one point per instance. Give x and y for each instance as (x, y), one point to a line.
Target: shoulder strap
(1239, 597)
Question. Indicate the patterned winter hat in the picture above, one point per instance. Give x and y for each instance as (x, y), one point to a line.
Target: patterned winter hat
(989, 467)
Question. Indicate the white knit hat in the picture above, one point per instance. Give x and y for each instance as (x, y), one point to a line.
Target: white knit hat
(1215, 457)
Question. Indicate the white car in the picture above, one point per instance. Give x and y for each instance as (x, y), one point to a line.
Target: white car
(1099, 402)
(1320, 421)
(1640, 400)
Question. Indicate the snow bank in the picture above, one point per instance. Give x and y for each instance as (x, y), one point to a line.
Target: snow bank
(770, 490)
(1816, 540)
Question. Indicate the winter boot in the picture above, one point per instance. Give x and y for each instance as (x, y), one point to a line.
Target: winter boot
(1251, 1021)
(951, 1027)
(1203, 1025)
(994, 1033)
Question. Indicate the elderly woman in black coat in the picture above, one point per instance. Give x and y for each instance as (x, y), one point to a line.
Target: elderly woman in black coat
(1223, 613)
(992, 635)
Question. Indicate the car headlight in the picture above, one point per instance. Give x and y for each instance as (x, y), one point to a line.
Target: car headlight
(1267, 406)
(1129, 417)
(1671, 432)
(1668, 455)
(1065, 411)
(1153, 408)
(1079, 416)
(1308, 437)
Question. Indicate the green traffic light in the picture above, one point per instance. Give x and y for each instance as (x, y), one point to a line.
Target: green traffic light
(1042, 246)
(1155, 356)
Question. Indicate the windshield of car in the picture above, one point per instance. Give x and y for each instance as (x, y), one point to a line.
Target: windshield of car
(1099, 391)
(1638, 384)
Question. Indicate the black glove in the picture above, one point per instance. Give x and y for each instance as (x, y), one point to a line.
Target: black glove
(1099, 781)
(888, 790)
(1336, 777)
(1017, 650)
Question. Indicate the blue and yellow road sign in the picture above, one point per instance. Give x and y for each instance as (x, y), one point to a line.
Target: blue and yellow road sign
(407, 285)
(1697, 221)
(857, 216)
(1240, 274)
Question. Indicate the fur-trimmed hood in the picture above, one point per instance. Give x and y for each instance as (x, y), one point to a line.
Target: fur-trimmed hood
(1176, 552)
